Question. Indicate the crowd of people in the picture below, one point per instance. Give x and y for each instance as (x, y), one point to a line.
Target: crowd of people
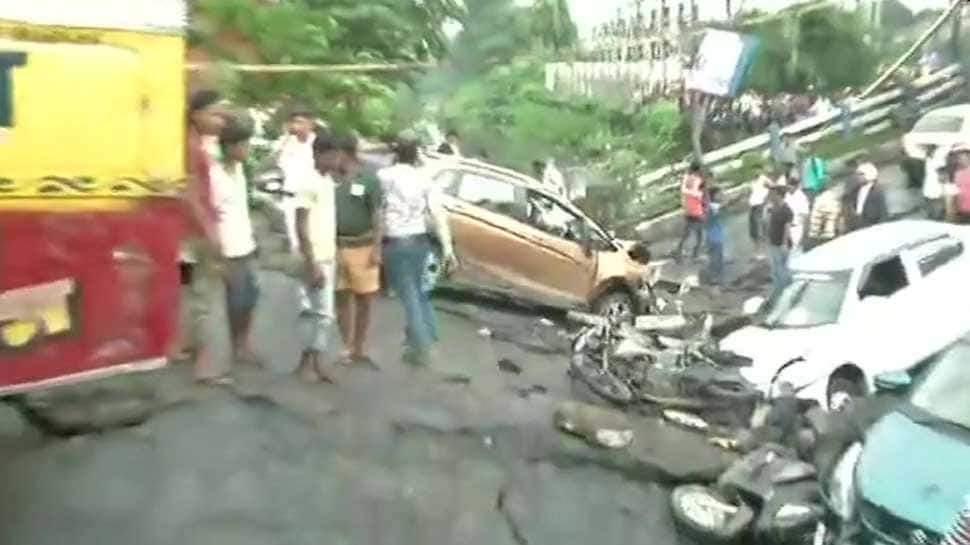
(788, 211)
(792, 208)
(753, 113)
(345, 225)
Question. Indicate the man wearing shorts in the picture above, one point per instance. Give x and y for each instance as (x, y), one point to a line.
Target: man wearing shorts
(358, 199)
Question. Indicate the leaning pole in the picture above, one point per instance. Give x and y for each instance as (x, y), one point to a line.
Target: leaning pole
(940, 21)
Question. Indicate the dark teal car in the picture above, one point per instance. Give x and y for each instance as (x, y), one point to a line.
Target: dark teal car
(914, 471)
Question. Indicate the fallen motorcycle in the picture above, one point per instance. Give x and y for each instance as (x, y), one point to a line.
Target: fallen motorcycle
(590, 362)
(769, 495)
(623, 364)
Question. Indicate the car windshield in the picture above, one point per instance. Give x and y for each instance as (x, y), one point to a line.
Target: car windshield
(939, 123)
(809, 300)
(944, 392)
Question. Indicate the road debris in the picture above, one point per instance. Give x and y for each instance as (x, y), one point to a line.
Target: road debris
(597, 425)
(509, 366)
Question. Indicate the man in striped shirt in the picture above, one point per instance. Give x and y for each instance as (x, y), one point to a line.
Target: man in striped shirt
(827, 219)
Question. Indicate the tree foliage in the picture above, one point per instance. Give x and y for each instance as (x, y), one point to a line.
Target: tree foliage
(824, 48)
(324, 32)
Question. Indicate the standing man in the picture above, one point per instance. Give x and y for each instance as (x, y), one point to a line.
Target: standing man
(797, 202)
(790, 156)
(316, 229)
(715, 239)
(553, 179)
(206, 119)
(235, 229)
(961, 185)
(692, 192)
(756, 208)
(358, 203)
(410, 203)
(869, 206)
(779, 232)
(294, 156)
(933, 200)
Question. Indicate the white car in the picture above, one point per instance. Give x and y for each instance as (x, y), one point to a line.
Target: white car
(945, 127)
(873, 301)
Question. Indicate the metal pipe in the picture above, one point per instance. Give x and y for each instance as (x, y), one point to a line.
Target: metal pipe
(291, 68)
(913, 49)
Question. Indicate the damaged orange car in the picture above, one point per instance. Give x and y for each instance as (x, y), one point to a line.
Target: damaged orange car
(513, 237)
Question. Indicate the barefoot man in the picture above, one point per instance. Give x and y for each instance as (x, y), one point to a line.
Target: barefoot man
(316, 232)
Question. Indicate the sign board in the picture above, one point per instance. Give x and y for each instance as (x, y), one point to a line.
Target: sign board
(722, 62)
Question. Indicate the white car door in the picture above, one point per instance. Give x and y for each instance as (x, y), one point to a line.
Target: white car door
(925, 317)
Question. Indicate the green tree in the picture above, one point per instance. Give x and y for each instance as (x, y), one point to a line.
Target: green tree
(823, 48)
(896, 16)
(324, 32)
(553, 26)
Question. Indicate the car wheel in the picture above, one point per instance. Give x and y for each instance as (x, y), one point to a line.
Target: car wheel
(433, 270)
(841, 393)
(707, 514)
(614, 304)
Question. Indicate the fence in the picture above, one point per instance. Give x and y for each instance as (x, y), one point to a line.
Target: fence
(872, 114)
(615, 80)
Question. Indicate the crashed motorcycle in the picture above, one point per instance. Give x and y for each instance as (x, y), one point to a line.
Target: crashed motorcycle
(769, 495)
(665, 360)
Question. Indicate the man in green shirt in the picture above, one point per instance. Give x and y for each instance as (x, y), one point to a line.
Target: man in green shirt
(358, 200)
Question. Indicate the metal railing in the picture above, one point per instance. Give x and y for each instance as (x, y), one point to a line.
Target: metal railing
(871, 115)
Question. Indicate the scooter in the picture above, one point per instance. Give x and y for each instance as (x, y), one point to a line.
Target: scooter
(769, 495)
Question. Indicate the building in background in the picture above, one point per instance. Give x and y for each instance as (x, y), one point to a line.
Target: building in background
(642, 52)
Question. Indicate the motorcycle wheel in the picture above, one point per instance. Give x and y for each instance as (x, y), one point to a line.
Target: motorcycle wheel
(708, 515)
(604, 384)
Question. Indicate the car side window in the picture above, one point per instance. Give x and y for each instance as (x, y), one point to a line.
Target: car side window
(935, 254)
(448, 180)
(884, 278)
(549, 216)
(491, 194)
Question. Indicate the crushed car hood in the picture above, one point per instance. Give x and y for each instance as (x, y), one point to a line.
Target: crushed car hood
(769, 349)
(914, 472)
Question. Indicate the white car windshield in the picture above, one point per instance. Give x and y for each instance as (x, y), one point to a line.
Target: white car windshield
(809, 300)
(939, 123)
(944, 393)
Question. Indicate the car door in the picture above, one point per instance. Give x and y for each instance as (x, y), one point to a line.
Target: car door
(484, 214)
(558, 263)
(932, 307)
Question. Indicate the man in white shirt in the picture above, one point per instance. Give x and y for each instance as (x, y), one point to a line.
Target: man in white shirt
(797, 201)
(294, 156)
(553, 179)
(316, 229)
(933, 185)
(231, 200)
(756, 207)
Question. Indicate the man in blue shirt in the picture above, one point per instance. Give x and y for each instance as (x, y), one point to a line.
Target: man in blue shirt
(715, 238)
